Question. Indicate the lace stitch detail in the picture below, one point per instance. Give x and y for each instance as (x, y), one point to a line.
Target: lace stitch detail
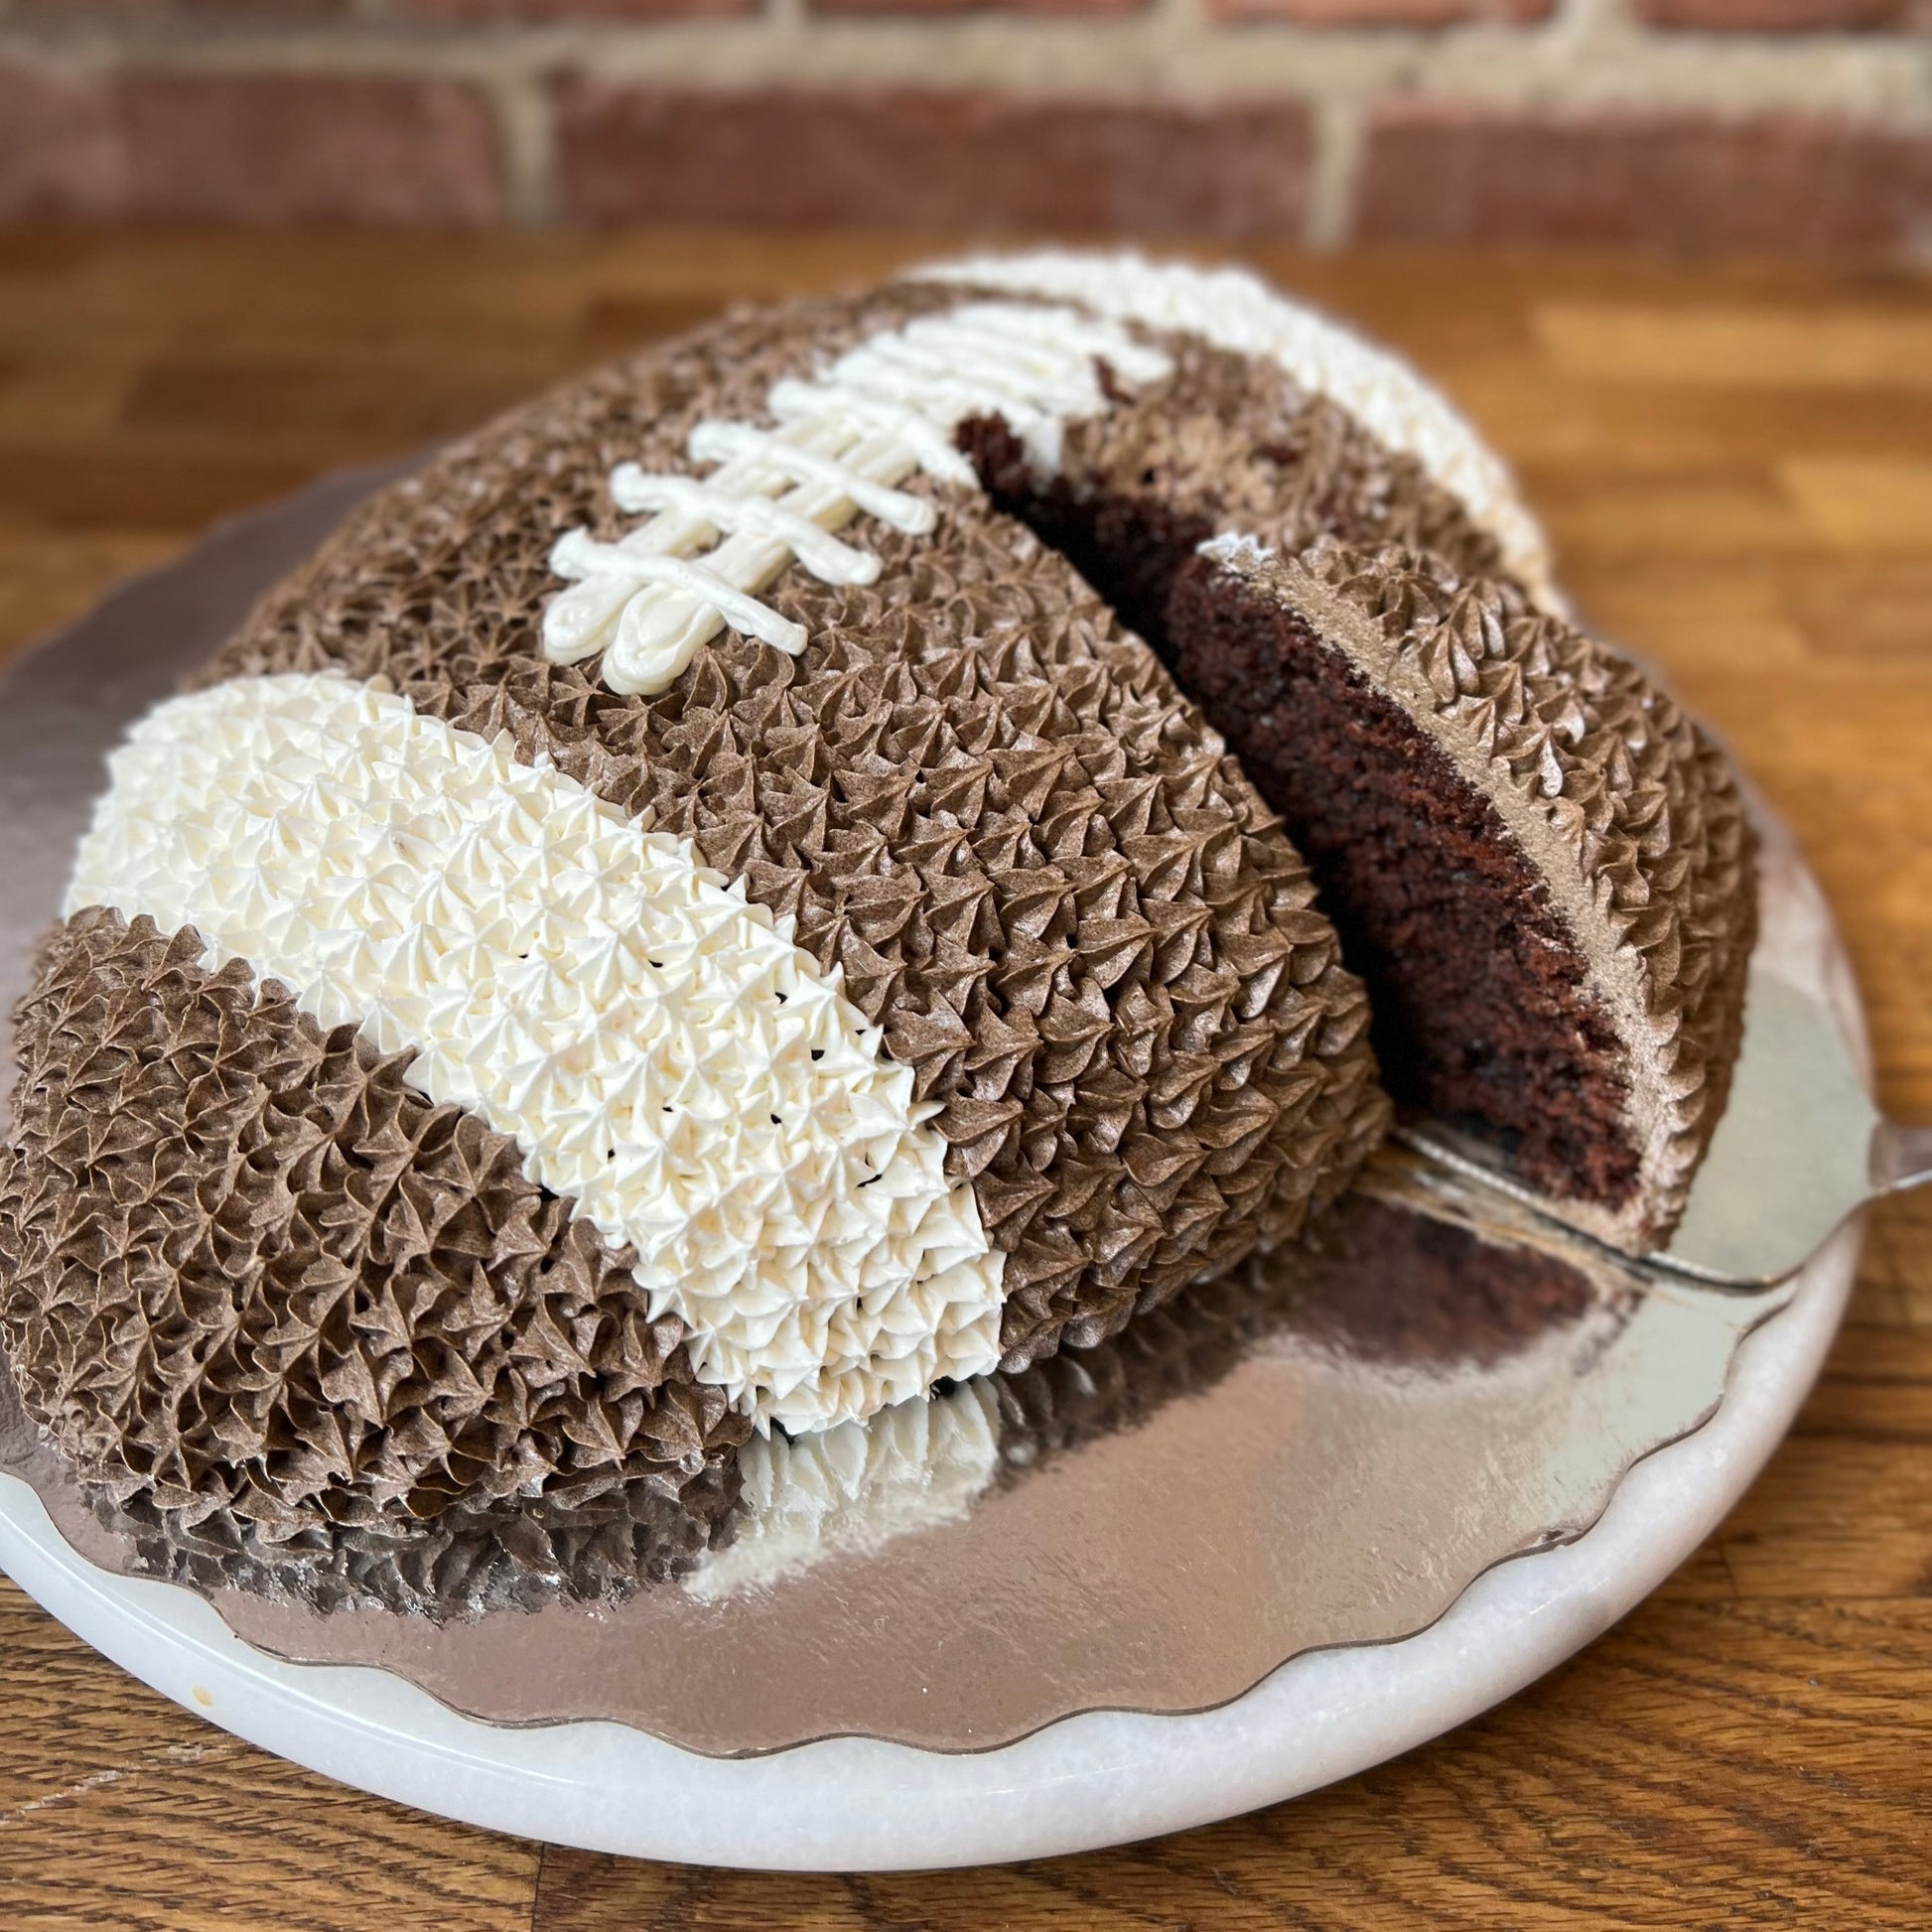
(845, 441)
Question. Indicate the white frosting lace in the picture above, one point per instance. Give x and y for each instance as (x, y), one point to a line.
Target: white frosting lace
(844, 441)
(655, 1044)
(1236, 311)
(853, 1489)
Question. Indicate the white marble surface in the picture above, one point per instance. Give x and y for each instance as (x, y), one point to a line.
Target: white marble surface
(854, 1804)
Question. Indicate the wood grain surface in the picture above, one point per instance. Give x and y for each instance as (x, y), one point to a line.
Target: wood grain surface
(1736, 464)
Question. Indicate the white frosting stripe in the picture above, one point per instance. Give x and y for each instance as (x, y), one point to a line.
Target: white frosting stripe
(1235, 311)
(845, 441)
(656, 1045)
(930, 447)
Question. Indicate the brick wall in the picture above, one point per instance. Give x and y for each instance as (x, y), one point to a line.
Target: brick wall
(1763, 125)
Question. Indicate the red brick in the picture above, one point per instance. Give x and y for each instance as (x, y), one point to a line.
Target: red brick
(548, 10)
(1445, 174)
(782, 159)
(1088, 9)
(246, 147)
(1384, 13)
(1779, 16)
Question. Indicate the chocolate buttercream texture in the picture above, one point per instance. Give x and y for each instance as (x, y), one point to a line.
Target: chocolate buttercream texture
(265, 1294)
(982, 802)
(244, 1267)
(983, 806)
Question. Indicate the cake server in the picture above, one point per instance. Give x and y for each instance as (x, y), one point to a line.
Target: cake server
(1801, 1148)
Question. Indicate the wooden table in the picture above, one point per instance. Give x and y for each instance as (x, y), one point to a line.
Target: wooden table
(1736, 467)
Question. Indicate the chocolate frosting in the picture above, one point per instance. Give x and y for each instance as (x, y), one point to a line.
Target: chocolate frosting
(1230, 442)
(245, 1268)
(980, 800)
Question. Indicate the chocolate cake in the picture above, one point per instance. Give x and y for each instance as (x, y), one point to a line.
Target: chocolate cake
(700, 912)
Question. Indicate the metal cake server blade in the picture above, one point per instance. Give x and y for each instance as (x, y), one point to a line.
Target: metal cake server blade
(1801, 1148)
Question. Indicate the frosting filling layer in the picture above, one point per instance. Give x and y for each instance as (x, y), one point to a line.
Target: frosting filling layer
(656, 1046)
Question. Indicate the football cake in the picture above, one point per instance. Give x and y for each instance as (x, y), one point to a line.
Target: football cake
(770, 881)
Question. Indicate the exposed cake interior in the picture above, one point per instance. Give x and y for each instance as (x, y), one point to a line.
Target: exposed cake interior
(1484, 1013)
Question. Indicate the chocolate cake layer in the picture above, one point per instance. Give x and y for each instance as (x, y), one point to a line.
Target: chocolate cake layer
(980, 800)
(244, 1267)
(1489, 1012)
(1411, 858)
(1543, 865)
